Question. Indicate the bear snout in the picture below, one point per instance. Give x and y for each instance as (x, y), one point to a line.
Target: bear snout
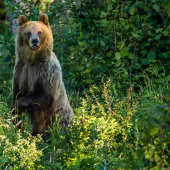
(35, 43)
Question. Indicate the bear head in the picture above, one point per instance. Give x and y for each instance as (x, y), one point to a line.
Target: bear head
(34, 40)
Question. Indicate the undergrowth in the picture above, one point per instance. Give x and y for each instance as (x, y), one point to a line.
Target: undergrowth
(107, 132)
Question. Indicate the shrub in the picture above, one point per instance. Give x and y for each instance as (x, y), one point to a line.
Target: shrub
(152, 151)
(22, 155)
(103, 130)
(125, 40)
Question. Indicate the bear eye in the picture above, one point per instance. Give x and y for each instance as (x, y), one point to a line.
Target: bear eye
(39, 32)
(29, 34)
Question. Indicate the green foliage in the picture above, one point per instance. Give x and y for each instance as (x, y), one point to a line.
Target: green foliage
(22, 155)
(123, 40)
(7, 51)
(104, 133)
(152, 151)
(113, 128)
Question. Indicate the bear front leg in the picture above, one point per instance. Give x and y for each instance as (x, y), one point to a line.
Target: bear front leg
(39, 99)
(16, 95)
(15, 111)
(16, 91)
(37, 104)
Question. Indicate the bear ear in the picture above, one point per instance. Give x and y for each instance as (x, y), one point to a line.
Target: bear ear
(44, 18)
(22, 20)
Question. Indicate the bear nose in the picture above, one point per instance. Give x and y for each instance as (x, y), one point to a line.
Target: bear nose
(34, 41)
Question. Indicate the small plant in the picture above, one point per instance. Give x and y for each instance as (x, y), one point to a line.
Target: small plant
(23, 154)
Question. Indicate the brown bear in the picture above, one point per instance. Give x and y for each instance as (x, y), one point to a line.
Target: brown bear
(38, 88)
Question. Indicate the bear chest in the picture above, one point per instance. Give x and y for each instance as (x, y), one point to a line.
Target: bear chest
(27, 80)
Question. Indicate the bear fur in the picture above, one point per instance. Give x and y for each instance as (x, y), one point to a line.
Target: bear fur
(38, 88)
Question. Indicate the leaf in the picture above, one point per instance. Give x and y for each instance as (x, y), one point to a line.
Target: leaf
(90, 50)
(88, 70)
(153, 131)
(7, 52)
(151, 55)
(104, 68)
(132, 10)
(166, 55)
(130, 56)
(80, 43)
(7, 34)
(7, 59)
(167, 78)
(156, 7)
(124, 53)
(110, 53)
(144, 61)
(3, 47)
(168, 12)
(158, 37)
(102, 43)
(167, 7)
(126, 27)
(102, 15)
(165, 33)
(139, 38)
(118, 62)
(117, 56)
(136, 35)
(66, 30)
(104, 22)
(160, 80)
(14, 16)
(12, 49)
(109, 7)
(88, 65)
(143, 52)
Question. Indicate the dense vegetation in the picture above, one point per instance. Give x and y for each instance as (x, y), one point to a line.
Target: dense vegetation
(115, 60)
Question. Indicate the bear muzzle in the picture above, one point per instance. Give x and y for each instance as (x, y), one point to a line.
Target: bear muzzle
(34, 43)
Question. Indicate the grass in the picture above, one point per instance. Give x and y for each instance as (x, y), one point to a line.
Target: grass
(104, 132)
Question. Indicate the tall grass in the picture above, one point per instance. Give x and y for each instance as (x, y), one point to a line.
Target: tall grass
(103, 134)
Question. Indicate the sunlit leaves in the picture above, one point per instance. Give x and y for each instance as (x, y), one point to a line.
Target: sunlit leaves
(117, 56)
(132, 10)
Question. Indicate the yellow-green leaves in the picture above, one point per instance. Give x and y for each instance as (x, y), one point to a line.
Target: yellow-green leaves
(117, 56)
(109, 7)
(124, 53)
(132, 10)
(153, 131)
(102, 43)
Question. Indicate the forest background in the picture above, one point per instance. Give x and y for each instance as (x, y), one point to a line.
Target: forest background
(115, 57)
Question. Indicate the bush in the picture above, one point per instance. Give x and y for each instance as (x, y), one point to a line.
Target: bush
(103, 130)
(103, 133)
(127, 41)
(152, 151)
(22, 155)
